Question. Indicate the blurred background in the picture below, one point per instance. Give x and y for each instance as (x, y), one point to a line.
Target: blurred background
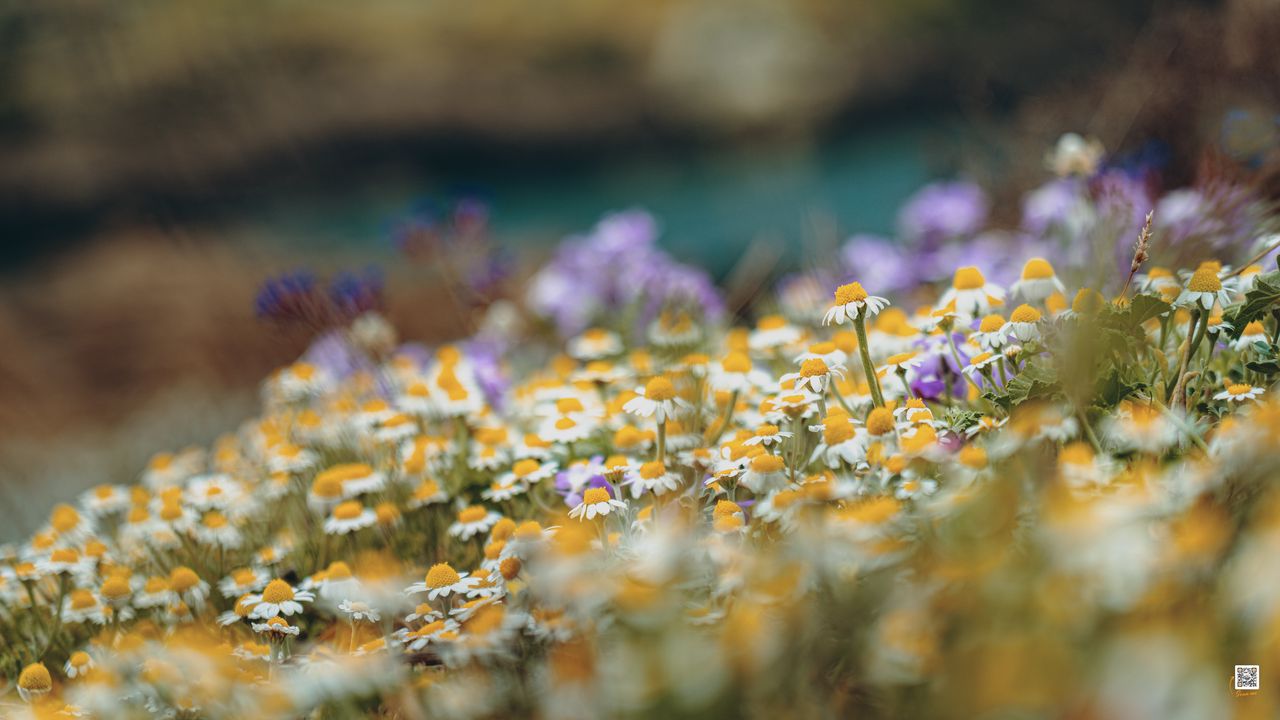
(160, 161)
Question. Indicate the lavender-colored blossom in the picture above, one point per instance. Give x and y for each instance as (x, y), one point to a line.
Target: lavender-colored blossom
(1058, 204)
(880, 263)
(617, 264)
(291, 296)
(355, 293)
(943, 211)
(938, 368)
(486, 362)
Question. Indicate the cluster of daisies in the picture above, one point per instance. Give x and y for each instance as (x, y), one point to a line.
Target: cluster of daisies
(916, 512)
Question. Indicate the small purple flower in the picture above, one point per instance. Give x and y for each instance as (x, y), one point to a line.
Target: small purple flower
(353, 294)
(290, 297)
(879, 263)
(943, 211)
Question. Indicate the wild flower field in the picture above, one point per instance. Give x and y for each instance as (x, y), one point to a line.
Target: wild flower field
(959, 473)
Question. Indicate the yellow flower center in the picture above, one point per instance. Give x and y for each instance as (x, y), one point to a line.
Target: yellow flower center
(771, 322)
(837, 432)
(475, 513)
(64, 555)
(1238, 389)
(767, 430)
(766, 463)
(973, 456)
(659, 388)
(243, 576)
(338, 570)
(1025, 314)
(852, 292)
(1076, 453)
(1087, 301)
(79, 659)
(651, 470)
(82, 599)
(568, 405)
(736, 362)
(1037, 269)
(968, 278)
(565, 423)
(1205, 279)
(442, 575)
(725, 507)
(591, 496)
(510, 568)
(991, 323)
(525, 467)
(115, 587)
(64, 518)
(813, 367)
(349, 510)
(35, 677)
(214, 519)
(277, 591)
(880, 421)
(529, 530)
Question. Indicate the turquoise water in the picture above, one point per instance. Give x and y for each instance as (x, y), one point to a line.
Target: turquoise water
(711, 205)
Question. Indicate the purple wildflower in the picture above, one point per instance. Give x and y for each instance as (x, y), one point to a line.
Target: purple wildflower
(943, 211)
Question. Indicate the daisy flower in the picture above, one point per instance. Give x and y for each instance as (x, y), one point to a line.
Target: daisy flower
(473, 520)
(358, 610)
(979, 362)
(674, 329)
(970, 295)
(187, 585)
(767, 435)
(1253, 332)
(840, 444)
(214, 529)
(853, 302)
(1037, 282)
(657, 399)
(243, 580)
(814, 375)
(1240, 392)
(1204, 289)
(735, 373)
(349, 516)
(239, 611)
(276, 627)
(773, 331)
(653, 477)
(764, 473)
(911, 487)
(529, 471)
(78, 664)
(105, 500)
(501, 492)
(594, 344)
(34, 681)
(428, 492)
(442, 581)
(596, 501)
(433, 632)
(1023, 323)
(279, 598)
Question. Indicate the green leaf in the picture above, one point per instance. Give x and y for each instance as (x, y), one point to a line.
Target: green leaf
(1263, 297)
(1269, 367)
(1115, 387)
(1034, 382)
(959, 419)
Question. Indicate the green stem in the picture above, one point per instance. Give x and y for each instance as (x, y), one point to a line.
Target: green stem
(873, 382)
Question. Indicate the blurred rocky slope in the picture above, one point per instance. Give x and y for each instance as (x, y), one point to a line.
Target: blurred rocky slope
(102, 101)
